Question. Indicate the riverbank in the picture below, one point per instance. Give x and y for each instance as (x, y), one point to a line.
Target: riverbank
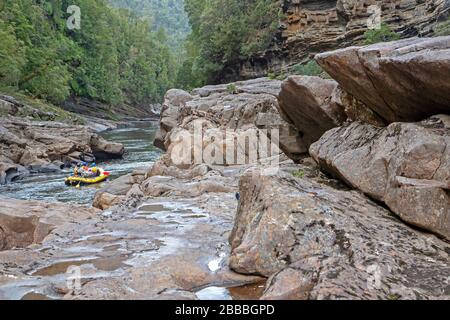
(136, 138)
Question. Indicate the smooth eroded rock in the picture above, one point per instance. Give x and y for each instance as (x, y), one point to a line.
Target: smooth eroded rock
(406, 165)
(406, 80)
(306, 102)
(318, 242)
(217, 117)
(23, 223)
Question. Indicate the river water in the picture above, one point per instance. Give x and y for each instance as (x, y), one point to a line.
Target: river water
(138, 141)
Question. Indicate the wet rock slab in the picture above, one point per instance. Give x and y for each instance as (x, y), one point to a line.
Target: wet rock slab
(318, 242)
(164, 248)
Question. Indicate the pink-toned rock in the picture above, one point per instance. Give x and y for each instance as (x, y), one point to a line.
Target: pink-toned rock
(406, 165)
(23, 223)
(306, 103)
(406, 80)
(316, 241)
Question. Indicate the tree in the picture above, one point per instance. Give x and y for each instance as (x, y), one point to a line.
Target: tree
(12, 56)
(114, 57)
(227, 32)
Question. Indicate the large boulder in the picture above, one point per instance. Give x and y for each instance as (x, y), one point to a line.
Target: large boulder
(318, 242)
(115, 192)
(405, 165)
(103, 149)
(306, 102)
(406, 80)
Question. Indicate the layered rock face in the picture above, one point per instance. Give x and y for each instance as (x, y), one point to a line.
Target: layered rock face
(406, 165)
(314, 26)
(227, 116)
(406, 80)
(315, 241)
(44, 146)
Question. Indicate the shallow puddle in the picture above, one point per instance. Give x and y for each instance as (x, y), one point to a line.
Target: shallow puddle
(195, 216)
(152, 208)
(214, 293)
(35, 296)
(104, 264)
(247, 292)
(252, 291)
(59, 268)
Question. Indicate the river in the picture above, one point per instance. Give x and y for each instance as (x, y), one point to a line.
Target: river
(138, 141)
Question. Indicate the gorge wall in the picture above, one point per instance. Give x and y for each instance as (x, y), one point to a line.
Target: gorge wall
(313, 26)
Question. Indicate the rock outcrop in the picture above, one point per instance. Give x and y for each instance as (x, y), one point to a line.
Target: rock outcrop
(43, 146)
(314, 105)
(315, 26)
(226, 115)
(23, 223)
(174, 100)
(307, 103)
(318, 242)
(118, 190)
(405, 80)
(406, 165)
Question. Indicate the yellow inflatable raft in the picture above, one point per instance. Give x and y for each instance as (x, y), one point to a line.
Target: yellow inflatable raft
(77, 180)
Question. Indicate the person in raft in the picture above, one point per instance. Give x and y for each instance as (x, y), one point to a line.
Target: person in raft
(83, 170)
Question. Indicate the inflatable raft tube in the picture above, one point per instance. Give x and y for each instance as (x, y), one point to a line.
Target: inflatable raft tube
(76, 181)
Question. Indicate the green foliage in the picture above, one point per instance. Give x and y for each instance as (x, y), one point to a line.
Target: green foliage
(12, 56)
(282, 76)
(225, 32)
(383, 34)
(271, 75)
(443, 28)
(232, 89)
(299, 174)
(167, 15)
(114, 57)
(311, 68)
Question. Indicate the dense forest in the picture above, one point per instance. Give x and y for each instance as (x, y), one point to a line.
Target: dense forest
(126, 51)
(114, 57)
(223, 33)
(168, 15)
